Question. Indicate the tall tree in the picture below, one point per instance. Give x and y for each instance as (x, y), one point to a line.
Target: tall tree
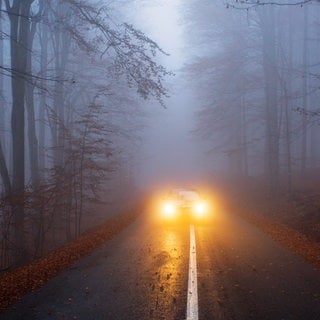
(30, 103)
(268, 25)
(2, 98)
(304, 92)
(44, 44)
(19, 17)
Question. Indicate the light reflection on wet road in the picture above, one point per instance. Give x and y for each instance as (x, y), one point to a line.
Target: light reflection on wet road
(143, 274)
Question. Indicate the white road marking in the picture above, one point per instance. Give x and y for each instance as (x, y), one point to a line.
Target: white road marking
(192, 303)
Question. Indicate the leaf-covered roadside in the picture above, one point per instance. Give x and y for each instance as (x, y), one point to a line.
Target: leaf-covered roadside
(288, 237)
(292, 221)
(15, 284)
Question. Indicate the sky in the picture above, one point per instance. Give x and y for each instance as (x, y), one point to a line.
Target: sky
(170, 151)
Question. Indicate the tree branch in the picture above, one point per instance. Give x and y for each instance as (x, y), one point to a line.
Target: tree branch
(245, 4)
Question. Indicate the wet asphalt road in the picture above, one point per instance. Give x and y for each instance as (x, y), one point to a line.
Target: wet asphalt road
(142, 273)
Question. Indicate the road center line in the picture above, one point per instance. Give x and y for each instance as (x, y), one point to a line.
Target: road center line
(192, 303)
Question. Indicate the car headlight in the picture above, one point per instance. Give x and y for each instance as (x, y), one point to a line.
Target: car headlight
(200, 209)
(169, 210)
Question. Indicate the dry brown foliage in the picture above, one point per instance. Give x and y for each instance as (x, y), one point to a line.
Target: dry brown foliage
(16, 283)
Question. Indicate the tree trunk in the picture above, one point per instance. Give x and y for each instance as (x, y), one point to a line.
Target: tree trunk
(244, 136)
(288, 113)
(62, 47)
(271, 105)
(2, 103)
(19, 29)
(32, 136)
(43, 96)
(304, 95)
(4, 172)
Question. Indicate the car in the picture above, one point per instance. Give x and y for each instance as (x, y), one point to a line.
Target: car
(184, 204)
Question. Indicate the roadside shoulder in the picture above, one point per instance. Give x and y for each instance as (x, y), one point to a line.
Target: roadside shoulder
(286, 236)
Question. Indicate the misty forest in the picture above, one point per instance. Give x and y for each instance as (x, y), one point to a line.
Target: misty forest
(101, 101)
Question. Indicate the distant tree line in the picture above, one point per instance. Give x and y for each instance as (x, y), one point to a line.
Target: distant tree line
(258, 83)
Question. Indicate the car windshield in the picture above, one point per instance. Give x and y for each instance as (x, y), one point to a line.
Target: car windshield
(189, 195)
(183, 194)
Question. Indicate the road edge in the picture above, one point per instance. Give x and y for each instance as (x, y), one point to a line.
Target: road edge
(15, 284)
(287, 237)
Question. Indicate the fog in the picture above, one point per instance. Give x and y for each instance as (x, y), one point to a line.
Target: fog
(171, 153)
(244, 98)
(104, 100)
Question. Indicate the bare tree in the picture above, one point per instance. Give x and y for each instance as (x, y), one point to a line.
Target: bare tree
(51, 46)
(18, 13)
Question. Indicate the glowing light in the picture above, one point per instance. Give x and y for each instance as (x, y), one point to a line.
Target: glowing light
(200, 209)
(169, 210)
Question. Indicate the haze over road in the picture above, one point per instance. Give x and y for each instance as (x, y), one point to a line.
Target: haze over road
(142, 273)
